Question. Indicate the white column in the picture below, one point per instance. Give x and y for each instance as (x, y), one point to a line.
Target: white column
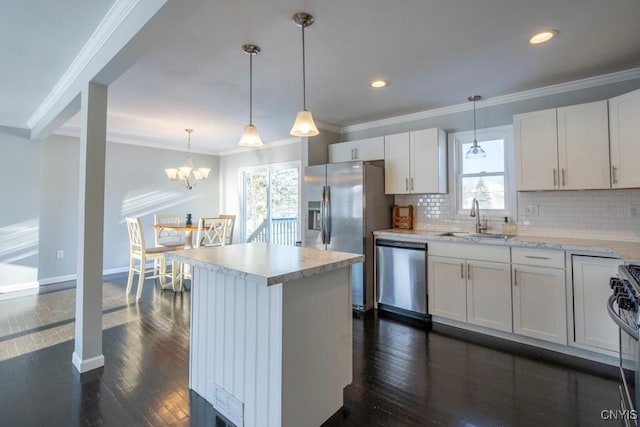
(87, 354)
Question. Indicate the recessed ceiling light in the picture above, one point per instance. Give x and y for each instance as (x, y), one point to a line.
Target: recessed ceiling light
(378, 84)
(543, 36)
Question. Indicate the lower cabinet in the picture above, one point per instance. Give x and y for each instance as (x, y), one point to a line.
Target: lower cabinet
(593, 328)
(470, 290)
(539, 303)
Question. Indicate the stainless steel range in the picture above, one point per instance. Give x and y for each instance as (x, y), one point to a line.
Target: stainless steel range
(623, 307)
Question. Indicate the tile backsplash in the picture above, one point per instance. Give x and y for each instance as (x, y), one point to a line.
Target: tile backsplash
(599, 214)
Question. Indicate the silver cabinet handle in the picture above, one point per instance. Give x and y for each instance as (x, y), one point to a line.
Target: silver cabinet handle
(563, 183)
(353, 153)
(411, 180)
(614, 174)
(357, 154)
(536, 257)
(515, 277)
(555, 177)
(462, 270)
(468, 271)
(406, 184)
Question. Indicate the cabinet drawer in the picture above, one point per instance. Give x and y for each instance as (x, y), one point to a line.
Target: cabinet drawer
(470, 251)
(538, 257)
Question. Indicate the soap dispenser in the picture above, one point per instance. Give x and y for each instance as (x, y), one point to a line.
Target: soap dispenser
(508, 228)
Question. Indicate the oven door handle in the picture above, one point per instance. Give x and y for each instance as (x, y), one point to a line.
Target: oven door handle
(616, 318)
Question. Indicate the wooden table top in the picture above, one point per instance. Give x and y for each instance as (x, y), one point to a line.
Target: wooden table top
(176, 227)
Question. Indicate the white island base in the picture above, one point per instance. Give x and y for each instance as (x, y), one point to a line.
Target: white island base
(274, 348)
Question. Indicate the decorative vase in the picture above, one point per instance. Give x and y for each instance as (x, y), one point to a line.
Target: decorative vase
(189, 222)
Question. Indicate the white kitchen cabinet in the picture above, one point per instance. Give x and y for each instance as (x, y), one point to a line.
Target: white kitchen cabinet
(363, 149)
(475, 289)
(489, 294)
(447, 295)
(624, 133)
(593, 327)
(539, 302)
(563, 149)
(416, 162)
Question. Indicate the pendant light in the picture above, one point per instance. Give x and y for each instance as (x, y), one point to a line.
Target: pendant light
(250, 136)
(475, 151)
(304, 125)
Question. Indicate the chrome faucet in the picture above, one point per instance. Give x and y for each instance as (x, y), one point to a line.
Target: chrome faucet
(475, 212)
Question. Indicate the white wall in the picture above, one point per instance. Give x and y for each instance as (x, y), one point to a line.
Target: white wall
(19, 211)
(135, 186)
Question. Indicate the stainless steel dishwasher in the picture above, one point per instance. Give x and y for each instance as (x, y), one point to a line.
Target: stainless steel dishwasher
(401, 279)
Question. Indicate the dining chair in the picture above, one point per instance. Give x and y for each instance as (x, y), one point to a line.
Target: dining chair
(139, 252)
(231, 220)
(167, 237)
(212, 232)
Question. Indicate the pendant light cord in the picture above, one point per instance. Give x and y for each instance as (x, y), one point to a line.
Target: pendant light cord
(251, 88)
(475, 140)
(304, 79)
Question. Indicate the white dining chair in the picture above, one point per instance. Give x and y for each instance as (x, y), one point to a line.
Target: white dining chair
(140, 253)
(231, 220)
(211, 232)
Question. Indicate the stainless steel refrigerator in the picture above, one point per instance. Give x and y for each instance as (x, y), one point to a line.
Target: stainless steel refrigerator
(344, 203)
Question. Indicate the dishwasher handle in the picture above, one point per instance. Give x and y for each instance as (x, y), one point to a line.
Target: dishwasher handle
(402, 245)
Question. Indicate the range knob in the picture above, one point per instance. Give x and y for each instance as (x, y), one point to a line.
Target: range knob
(614, 282)
(625, 303)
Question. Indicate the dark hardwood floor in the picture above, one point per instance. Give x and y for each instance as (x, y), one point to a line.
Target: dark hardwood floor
(404, 375)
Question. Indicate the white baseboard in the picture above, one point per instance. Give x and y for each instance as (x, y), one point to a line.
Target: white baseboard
(58, 279)
(19, 287)
(87, 365)
(115, 270)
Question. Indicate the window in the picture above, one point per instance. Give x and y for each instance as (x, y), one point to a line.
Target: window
(270, 203)
(486, 179)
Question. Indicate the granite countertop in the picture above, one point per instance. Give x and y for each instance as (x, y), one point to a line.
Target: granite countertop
(628, 251)
(270, 264)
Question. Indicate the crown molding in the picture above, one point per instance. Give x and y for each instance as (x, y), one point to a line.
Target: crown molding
(135, 139)
(278, 143)
(589, 82)
(109, 24)
(14, 124)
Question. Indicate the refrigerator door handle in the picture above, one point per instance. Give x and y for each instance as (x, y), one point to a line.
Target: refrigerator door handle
(323, 215)
(327, 208)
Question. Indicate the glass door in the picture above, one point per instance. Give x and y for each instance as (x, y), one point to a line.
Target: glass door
(271, 203)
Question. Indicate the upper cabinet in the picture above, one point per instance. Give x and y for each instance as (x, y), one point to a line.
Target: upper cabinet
(362, 149)
(416, 162)
(624, 129)
(563, 149)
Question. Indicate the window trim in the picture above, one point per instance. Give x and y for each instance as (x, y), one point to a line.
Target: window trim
(454, 140)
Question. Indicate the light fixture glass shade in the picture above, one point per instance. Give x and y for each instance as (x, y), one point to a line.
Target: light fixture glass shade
(184, 172)
(304, 125)
(204, 172)
(172, 173)
(250, 137)
(475, 151)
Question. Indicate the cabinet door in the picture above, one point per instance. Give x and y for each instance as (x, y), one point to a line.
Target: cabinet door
(624, 128)
(489, 294)
(342, 152)
(536, 150)
(539, 303)
(583, 146)
(447, 295)
(369, 149)
(427, 156)
(593, 326)
(396, 163)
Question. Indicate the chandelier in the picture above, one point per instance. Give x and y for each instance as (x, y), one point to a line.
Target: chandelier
(186, 174)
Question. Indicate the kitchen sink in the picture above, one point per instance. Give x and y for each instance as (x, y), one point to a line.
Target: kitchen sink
(474, 235)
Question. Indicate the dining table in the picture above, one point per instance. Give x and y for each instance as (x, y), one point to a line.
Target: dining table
(182, 228)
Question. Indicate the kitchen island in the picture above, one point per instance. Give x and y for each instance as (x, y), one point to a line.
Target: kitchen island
(271, 337)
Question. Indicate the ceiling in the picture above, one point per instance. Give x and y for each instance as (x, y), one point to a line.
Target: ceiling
(433, 53)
